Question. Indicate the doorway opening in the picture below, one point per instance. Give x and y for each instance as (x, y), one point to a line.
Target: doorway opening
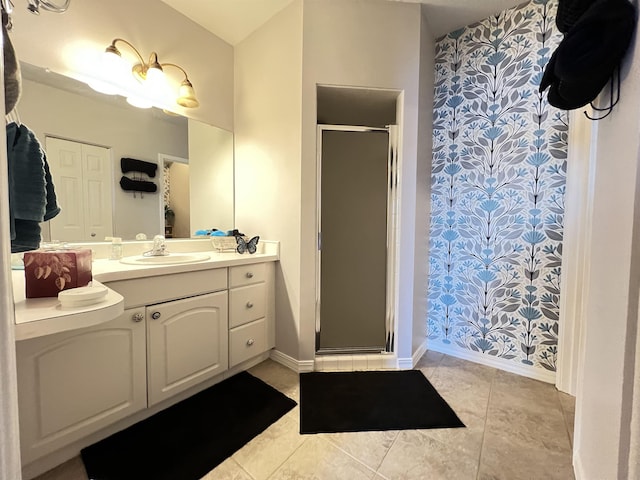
(175, 206)
(357, 205)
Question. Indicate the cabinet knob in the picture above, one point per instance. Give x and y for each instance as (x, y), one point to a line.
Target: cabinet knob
(249, 305)
(155, 315)
(137, 317)
(250, 342)
(249, 274)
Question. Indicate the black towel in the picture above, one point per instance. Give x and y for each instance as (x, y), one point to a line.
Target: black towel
(137, 185)
(133, 165)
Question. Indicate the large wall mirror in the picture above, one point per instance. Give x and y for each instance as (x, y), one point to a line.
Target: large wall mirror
(85, 134)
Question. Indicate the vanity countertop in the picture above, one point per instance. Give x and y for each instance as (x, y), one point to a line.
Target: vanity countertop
(37, 317)
(113, 270)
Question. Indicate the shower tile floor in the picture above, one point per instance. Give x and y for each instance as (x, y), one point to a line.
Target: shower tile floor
(517, 429)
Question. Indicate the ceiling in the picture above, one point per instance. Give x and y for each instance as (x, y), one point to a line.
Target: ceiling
(234, 20)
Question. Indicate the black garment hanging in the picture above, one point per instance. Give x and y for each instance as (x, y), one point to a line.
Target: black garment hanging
(137, 185)
(591, 50)
(133, 165)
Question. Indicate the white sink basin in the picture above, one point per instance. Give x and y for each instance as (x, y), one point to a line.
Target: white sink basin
(171, 259)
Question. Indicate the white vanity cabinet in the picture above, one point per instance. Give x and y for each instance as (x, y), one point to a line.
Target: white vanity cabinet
(186, 338)
(178, 334)
(74, 383)
(251, 311)
(186, 343)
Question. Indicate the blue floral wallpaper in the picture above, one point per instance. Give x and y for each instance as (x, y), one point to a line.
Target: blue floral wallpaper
(498, 179)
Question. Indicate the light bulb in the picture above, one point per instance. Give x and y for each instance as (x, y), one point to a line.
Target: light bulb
(114, 67)
(103, 87)
(187, 95)
(139, 102)
(155, 83)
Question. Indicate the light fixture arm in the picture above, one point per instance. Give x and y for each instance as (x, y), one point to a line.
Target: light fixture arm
(186, 77)
(113, 49)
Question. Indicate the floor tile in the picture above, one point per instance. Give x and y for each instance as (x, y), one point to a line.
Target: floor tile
(462, 390)
(318, 459)
(227, 470)
(467, 440)
(279, 377)
(527, 393)
(504, 458)
(568, 404)
(472, 370)
(265, 453)
(414, 456)
(429, 362)
(70, 470)
(367, 447)
(538, 429)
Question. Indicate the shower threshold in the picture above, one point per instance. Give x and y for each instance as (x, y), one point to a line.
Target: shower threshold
(326, 361)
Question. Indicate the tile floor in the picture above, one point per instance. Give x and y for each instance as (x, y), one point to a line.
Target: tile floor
(517, 429)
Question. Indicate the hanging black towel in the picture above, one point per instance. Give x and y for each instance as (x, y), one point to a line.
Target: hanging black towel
(133, 165)
(137, 185)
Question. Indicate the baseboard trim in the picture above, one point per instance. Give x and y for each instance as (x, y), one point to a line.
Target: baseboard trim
(299, 366)
(417, 355)
(578, 471)
(530, 372)
(405, 363)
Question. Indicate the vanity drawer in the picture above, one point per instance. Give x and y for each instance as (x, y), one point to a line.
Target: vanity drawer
(246, 274)
(162, 288)
(247, 341)
(247, 304)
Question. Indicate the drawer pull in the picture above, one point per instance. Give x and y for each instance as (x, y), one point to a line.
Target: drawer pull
(249, 305)
(155, 315)
(137, 317)
(250, 342)
(249, 274)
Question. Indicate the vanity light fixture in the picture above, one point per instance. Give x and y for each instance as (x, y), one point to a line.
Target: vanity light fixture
(150, 75)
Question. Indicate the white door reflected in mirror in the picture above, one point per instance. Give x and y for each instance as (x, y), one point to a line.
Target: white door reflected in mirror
(82, 176)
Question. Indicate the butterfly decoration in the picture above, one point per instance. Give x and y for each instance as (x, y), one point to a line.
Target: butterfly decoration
(244, 246)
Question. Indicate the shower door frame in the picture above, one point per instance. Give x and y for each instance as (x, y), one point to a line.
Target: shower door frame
(392, 231)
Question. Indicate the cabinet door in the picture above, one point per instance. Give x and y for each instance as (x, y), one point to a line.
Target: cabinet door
(187, 343)
(74, 383)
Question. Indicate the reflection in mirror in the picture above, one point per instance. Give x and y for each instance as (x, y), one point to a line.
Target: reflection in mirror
(175, 196)
(85, 134)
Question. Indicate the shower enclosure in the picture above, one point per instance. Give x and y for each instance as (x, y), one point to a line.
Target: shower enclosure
(356, 234)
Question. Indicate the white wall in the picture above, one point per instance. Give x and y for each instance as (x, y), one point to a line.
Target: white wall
(575, 254)
(605, 387)
(128, 132)
(66, 43)
(423, 186)
(9, 428)
(373, 44)
(268, 72)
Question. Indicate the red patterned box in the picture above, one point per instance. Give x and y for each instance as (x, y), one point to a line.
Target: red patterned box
(48, 272)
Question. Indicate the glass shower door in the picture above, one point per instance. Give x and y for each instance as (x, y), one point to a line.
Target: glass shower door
(354, 186)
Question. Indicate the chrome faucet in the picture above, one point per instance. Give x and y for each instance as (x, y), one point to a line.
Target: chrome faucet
(159, 248)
